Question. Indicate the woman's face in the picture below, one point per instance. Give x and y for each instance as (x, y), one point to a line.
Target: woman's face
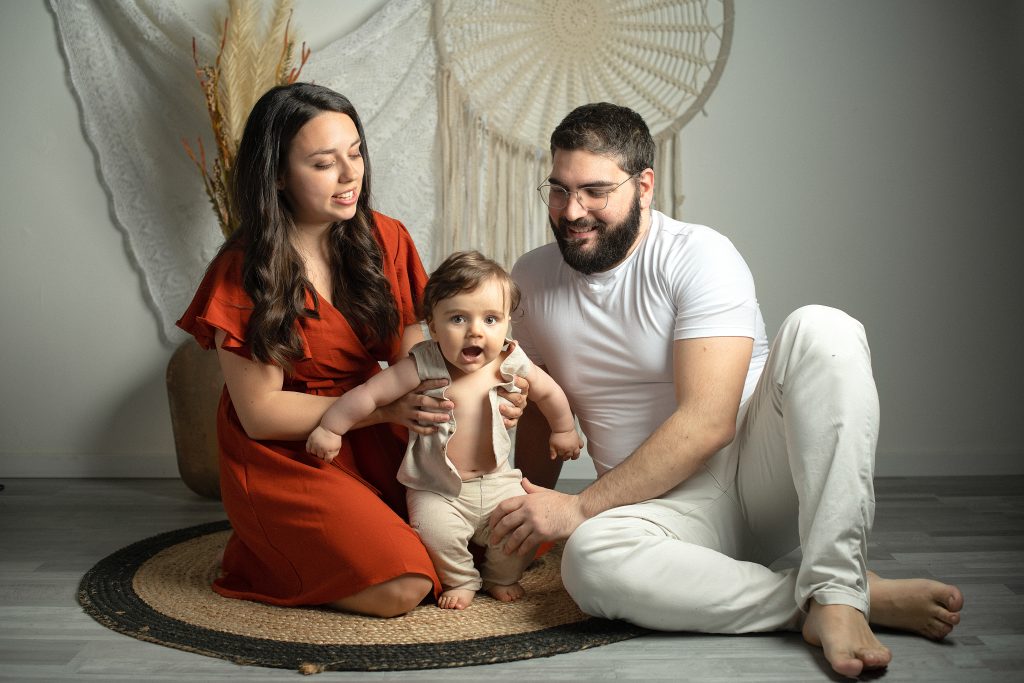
(324, 171)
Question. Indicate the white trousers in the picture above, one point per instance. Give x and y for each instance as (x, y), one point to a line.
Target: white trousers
(798, 474)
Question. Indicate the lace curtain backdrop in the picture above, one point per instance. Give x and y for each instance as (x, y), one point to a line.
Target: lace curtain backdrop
(496, 74)
(130, 67)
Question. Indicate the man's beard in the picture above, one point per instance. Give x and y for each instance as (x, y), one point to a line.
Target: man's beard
(611, 243)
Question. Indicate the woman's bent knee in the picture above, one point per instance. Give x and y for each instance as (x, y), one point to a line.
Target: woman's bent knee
(392, 598)
(406, 594)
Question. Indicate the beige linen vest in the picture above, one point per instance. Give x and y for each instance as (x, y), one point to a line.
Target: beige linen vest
(426, 466)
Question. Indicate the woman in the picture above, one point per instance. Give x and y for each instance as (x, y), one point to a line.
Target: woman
(301, 303)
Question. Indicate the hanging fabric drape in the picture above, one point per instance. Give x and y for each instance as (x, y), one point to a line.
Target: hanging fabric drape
(511, 70)
(458, 98)
(130, 67)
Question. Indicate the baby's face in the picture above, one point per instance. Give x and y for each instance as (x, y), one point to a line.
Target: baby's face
(471, 326)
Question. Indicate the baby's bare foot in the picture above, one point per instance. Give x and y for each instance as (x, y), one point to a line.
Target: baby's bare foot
(509, 593)
(843, 634)
(456, 598)
(922, 606)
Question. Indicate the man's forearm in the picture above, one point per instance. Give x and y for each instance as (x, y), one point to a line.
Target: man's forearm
(671, 455)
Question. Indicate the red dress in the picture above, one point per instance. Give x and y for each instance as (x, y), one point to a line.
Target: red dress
(307, 532)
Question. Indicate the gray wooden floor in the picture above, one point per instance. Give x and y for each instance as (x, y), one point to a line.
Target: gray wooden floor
(964, 530)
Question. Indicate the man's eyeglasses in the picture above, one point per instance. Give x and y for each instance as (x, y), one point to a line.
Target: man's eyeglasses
(590, 198)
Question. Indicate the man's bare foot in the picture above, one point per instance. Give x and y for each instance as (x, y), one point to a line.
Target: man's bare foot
(456, 598)
(509, 593)
(844, 635)
(922, 606)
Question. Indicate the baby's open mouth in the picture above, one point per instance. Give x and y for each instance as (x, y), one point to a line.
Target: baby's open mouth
(472, 352)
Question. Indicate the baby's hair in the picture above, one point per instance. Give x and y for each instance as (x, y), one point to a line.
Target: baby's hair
(464, 271)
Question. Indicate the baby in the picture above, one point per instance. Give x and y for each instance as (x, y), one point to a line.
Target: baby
(456, 476)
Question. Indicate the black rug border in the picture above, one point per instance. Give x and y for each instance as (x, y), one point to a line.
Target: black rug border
(106, 594)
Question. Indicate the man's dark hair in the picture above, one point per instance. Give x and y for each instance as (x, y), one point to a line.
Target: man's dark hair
(608, 130)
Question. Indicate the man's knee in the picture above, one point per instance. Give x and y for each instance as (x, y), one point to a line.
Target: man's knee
(823, 333)
(592, 563)
(822, 357)
(822, 319)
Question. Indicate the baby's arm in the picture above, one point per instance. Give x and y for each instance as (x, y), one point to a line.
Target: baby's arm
(565, 442)
(355, 405)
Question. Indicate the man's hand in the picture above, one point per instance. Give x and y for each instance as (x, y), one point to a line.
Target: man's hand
(512, 413)
(522, 523)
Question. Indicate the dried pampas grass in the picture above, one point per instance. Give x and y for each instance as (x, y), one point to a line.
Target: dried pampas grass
(253, 57)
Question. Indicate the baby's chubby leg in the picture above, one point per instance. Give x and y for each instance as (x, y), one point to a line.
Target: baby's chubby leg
(445, 532)
(501, 572)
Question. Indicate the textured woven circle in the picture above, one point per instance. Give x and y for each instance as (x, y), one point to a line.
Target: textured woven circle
(159, 590)
(523, 64)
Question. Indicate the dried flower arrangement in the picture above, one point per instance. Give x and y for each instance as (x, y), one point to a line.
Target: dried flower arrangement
(252, 58)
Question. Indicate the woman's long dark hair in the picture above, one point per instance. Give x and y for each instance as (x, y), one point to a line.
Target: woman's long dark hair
(273, 273)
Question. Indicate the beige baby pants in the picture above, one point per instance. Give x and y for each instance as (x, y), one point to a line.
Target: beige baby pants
(798, 474)
(447, 526)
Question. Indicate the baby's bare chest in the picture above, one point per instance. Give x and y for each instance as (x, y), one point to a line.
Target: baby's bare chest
(471, 395)
(473, 417)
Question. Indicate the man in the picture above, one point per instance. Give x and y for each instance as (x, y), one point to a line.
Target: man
(715, 457)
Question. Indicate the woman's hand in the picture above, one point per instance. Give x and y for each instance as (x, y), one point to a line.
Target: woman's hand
(417, 411)
(512, 413)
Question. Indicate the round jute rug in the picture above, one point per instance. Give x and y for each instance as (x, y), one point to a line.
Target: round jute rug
(158, 590)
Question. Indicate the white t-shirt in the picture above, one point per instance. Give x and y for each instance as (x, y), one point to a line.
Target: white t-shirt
(607, 338)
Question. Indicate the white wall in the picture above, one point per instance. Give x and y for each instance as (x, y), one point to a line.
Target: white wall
(865, 155)
(870, 156)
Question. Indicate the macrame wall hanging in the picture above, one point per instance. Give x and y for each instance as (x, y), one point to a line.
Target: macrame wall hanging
(500, 72)
(510, 70)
